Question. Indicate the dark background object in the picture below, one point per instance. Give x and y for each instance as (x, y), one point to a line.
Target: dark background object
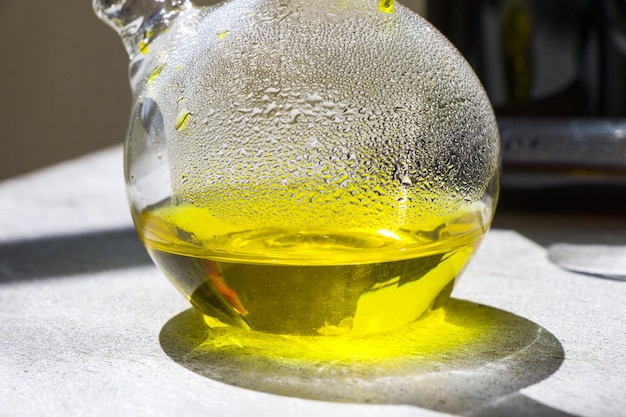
(555, 73)
(557, 58)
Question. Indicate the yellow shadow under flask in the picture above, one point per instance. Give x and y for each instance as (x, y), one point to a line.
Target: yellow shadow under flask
(305, 167)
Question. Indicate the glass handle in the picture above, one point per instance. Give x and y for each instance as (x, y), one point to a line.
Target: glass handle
(138, 22)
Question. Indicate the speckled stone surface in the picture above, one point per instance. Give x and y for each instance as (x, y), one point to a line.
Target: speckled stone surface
(89, 327)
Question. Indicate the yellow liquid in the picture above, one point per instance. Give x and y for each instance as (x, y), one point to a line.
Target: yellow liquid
(386, 6)
(310, 281)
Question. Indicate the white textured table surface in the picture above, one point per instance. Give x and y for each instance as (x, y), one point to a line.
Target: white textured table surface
(85, 319)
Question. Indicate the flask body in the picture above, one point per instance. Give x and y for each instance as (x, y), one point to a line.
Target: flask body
(305, 168)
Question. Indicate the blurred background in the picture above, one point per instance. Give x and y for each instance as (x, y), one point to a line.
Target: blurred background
(552, 58)
(64, 84)
(555, 71)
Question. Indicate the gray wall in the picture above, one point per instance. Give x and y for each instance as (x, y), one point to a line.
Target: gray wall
(64, 88)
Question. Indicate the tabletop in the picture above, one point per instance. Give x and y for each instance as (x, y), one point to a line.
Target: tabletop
(88, 326)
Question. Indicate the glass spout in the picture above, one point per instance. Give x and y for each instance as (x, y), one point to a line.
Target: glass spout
(138, 22)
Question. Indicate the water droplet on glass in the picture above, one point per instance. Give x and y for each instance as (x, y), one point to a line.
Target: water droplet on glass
(182, 119)
(271, 90)
(293, 115)
(155, 73)
(313, 98)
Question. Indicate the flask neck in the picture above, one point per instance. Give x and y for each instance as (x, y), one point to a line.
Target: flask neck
(138, 22)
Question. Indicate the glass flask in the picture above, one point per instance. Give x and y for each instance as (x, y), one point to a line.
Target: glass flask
(304, 167)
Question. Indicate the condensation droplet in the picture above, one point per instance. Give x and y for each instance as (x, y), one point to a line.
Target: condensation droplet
(293, 115)
(155, 73)
(313, 142)
(182, 119)
(313, 98)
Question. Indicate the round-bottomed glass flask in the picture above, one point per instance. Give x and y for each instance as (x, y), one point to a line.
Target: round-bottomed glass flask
(305, 167)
